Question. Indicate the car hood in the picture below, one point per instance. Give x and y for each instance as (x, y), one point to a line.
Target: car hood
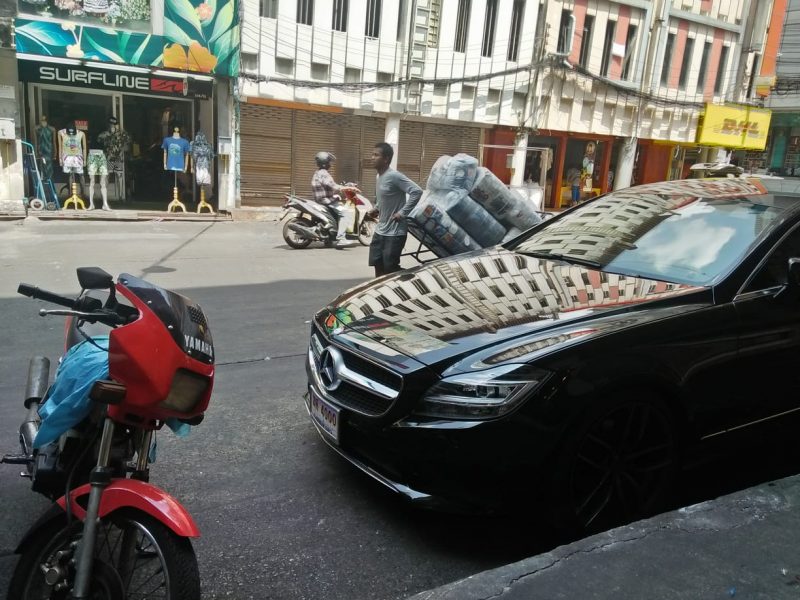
(443, 309)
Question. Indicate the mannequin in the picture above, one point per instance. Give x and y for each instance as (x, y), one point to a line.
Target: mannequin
(176, 159)
(115, 142)
(45, 140)
(72, 157)
(98, 165)
(202, 154)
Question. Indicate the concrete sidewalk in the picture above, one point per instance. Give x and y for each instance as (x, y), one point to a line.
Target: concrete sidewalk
(745, 545)
(240, 214)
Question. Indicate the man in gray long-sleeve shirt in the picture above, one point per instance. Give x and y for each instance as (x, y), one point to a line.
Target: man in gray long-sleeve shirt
(392, 207)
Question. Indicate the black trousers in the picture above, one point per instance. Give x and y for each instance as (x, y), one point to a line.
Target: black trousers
(385, 251)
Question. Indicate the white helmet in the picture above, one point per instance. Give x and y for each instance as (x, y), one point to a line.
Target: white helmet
(324, 159)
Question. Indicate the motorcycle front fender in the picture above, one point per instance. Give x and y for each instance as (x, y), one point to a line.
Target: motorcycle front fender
(132, 493)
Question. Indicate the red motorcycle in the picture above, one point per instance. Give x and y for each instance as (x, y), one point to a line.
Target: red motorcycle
(110, 534)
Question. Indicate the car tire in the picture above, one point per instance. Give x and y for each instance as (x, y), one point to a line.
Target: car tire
(617, 464)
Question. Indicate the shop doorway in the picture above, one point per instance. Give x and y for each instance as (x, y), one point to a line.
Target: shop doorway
(149, 121)
(583, 177)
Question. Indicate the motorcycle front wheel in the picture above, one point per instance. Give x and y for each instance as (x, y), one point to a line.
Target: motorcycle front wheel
(365, 231)
(294, 239)
(135, 557)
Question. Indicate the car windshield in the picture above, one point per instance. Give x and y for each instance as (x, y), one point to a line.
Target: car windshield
(658, 233)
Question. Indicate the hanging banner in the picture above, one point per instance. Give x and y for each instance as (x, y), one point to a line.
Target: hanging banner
(734, 126)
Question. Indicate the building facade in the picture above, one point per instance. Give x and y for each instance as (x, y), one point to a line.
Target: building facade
(598, 93)
(145, 68)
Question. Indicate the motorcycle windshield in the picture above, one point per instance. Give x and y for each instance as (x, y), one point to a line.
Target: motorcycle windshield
(183, 318)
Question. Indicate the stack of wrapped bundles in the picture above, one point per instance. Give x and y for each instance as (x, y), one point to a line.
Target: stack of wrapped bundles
(466, 207)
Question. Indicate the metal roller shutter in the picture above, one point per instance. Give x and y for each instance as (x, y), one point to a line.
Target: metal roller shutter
(411, 146)
(447, 139)
(278, 146)
(349, 137)
(265, 154)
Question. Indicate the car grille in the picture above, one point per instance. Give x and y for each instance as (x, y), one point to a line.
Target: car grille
(365, 387)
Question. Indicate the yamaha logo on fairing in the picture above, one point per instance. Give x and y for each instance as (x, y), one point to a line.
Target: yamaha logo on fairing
(107, 79)
(193, 343)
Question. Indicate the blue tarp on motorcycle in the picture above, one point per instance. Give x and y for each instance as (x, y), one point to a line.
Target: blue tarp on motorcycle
(68, 400)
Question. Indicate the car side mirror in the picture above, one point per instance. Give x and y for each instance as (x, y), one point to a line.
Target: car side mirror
(792, 288)
(793, 278)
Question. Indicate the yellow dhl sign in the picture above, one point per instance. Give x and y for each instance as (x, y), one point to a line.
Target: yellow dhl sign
(734, 126)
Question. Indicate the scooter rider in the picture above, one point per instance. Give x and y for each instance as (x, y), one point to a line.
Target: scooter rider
(325, 191)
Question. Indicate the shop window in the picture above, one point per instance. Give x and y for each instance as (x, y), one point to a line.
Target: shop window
(686, 63)
(666, 64)
(462, 25)
(517, 13)
(269, 9)
(305, 12)
(373, 25)
(489, 26)
(586, 41)
(723, 63)
(341, 8)
(608, 46)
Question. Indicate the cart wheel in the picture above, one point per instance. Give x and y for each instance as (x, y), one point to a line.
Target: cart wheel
(36, 204)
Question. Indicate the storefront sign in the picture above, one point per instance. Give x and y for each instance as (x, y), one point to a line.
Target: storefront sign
(119, 81)
(734, 127)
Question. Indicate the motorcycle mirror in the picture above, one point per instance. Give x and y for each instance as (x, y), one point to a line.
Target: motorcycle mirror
(94, 278)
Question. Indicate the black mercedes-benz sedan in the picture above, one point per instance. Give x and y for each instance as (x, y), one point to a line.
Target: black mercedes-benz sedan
(575, 366)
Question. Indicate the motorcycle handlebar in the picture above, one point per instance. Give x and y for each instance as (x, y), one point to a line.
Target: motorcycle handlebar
(34, 292)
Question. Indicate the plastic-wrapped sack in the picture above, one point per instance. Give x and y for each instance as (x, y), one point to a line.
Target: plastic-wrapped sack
(476, 221)
(453, 173)
(68, 402)
(504, 205)
(432, 216)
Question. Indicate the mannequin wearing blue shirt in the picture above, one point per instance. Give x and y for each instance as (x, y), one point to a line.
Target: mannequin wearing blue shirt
(176, 152)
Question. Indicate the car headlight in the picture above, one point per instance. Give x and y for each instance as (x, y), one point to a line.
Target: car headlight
(481, 395)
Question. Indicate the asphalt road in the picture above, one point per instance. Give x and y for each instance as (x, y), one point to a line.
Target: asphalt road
(281, 516)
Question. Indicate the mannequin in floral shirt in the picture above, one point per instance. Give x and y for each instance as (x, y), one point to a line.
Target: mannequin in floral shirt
(115, 142)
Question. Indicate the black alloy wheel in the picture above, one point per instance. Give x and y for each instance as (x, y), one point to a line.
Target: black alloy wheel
(293, 238)
(619, 467)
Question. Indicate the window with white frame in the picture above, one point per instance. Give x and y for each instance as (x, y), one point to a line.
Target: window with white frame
(489, 26)
(269, 9)
(305, 12)
(666, 64)
(723, 63)
(630, 52)
(608, 47)
(564, 30)
(341, 8)
(462, 25)
(586, 41)
(686, 63)
(702, 73)
(373, 24)
(515, 34)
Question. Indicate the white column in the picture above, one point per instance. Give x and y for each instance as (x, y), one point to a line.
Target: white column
(625, 160)
(391, 136)
(518, 161)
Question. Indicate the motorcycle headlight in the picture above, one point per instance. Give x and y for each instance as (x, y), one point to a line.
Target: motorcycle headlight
(481, 395)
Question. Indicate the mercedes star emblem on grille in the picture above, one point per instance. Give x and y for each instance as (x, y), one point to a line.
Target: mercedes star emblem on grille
(329, 362)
